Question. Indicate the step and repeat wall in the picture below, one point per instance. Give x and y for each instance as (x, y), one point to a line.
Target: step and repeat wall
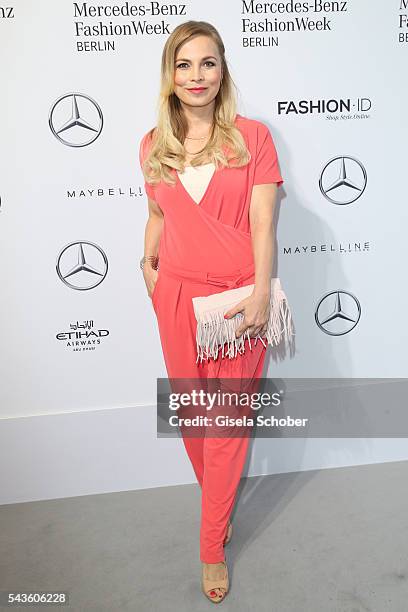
(80, 82)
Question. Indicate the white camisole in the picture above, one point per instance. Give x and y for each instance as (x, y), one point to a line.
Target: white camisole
(196, 179)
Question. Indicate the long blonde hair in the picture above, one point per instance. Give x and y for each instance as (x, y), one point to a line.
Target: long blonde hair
(166, 150)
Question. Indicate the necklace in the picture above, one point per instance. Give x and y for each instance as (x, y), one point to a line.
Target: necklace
(197, 153)
(201, 137)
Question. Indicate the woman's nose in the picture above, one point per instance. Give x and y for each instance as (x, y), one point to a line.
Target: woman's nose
(196, 73)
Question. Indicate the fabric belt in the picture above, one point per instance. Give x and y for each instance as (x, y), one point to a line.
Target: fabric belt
(233, 279)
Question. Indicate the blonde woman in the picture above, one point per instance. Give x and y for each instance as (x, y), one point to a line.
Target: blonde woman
(211, 178)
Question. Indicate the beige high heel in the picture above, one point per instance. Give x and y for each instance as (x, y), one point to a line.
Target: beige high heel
(212, 588)
(229, 534)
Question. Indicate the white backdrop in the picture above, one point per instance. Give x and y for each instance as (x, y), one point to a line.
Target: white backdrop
(328, 78)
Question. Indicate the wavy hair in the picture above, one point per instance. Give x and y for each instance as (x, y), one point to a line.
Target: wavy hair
(166, 150)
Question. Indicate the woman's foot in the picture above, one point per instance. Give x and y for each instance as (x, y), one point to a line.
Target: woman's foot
(229, 534)
(215, 582)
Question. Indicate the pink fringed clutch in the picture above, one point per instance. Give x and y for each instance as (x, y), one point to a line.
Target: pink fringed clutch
(215, 334)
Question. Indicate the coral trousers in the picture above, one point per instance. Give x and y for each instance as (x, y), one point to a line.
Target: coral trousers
(217, 461)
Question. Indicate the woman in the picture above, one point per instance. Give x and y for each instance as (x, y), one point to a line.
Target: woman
(211, 178)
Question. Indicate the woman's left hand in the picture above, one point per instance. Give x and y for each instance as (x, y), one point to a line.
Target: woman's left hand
(255, 309)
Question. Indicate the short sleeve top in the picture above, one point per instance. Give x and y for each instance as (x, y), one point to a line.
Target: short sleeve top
(259, 140)
(224, 206)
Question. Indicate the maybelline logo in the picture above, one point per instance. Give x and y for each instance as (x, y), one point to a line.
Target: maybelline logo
(327, 247)
(7, 12)
(337, 312)
(323, 106)
(82, 336)
(98, 192)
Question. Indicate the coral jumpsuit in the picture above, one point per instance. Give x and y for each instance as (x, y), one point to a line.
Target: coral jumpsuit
(206, 248)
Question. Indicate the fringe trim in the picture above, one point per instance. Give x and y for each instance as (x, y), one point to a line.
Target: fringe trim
(215, 334)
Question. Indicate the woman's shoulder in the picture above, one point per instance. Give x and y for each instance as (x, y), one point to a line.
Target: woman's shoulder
(254, 130)
(145, 142)
(252, 125)
(148, 136)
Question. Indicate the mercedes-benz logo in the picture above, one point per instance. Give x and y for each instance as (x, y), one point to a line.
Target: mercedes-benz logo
(78, 117)
(84, 263)
(344, 181)
(338, 312)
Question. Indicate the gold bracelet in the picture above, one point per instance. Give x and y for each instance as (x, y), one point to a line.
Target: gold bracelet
(153, 259)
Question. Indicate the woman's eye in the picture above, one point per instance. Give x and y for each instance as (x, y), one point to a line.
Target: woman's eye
(208, 62)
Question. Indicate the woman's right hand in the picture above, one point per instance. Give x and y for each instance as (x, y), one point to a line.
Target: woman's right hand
(150, 276)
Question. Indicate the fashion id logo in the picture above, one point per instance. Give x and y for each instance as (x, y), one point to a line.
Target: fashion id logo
(333, 109)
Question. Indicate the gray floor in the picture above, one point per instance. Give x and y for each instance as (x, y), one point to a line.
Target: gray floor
(333, 540)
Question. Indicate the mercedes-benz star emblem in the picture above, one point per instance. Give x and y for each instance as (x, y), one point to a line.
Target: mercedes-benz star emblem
(344, 181)
(338, 312)
(84, 263)
(78, 117)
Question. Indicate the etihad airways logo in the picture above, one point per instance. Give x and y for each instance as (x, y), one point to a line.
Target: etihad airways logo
(82, 336)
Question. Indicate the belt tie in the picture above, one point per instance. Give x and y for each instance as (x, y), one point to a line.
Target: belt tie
(230, 280)
(230, 283)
